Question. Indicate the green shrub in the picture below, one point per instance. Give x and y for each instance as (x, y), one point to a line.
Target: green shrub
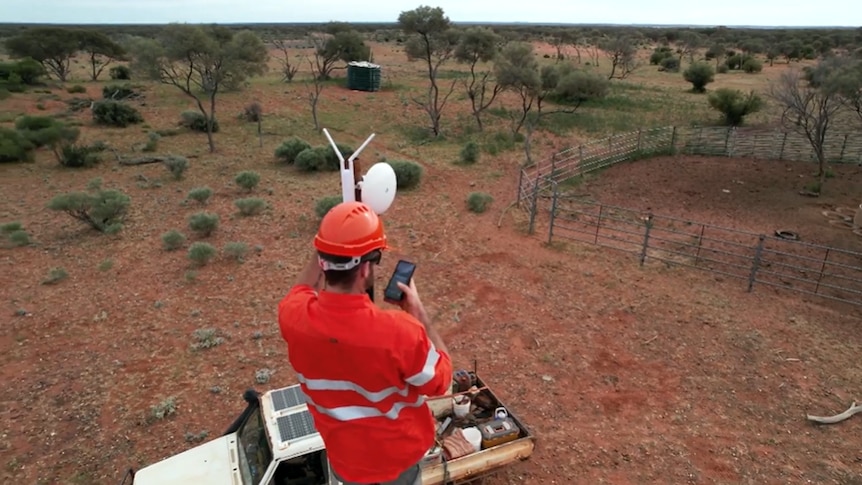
(103, 210)
(470, 153)
(290, 148)
(478, 202)
(331, 158)
(76, 89)
(11, 227)
(669, 64)
(734, 105)
(177, 166)
(326, 204)
(407, 174)
(310, 160)
(203, 223)
(118, 92)
(752, 65)
(722, 69)
(196, 121)
(77, 156)
(201, 253)
(173, 240)
(201, 194)
(109, 112)
(152, 141)
(699, 75)
(236, 250)
(659, 54)
(250, 206)
(247, 179)
(55, 275)
(28, 71)
(120, 73)
(19, 238)
(14, 147)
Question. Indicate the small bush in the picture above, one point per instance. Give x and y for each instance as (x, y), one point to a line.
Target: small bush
(163, 409)
(669, 64)
(103, 210)
(173, 240)
(250, 206)
(699, 75)
(722, 69)
(120, 73)
(331, 161)
(470, 153)
(752, 65)
(247, 179)
(196, 121)
(11, 227)
(46, 131)
(76, 89)
(109, 112)
(201, 194)
(26, 71)
(152, 142)
(55, 275)
(236, 250)
(201, 253)
(14, 147)
(19, 238)
(78, 156)
(310, 160)
(478, 202)
(177, 166)
(118, 92)
(734, 105)
(407, 174)
(203, 223)
(290, 148)
(659, 54)
(253, 112)
(324, 205)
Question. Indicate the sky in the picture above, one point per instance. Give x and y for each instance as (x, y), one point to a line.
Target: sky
(663, 12)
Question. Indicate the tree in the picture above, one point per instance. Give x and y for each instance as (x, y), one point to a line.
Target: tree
(201, 61)
(316, 86)
(699, 75)
(518, 70)
(848, 83)
(53, 47)
(809, 107)
(622, 51)
(100, 50)
(288, 68)
(734, 104)
(339, 43)
(688, 44)
(479, 44)
(432, 41)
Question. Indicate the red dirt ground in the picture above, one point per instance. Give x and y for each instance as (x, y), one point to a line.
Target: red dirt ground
(626, 374)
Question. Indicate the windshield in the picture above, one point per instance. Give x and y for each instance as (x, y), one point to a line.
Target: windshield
(254, 451)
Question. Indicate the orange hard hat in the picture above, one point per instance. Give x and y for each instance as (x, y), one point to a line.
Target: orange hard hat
(350, 229)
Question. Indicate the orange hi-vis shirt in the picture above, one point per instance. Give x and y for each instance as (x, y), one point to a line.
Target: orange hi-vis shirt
(365, 372)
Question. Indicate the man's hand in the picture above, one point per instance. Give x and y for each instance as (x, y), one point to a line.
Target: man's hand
(411, 303)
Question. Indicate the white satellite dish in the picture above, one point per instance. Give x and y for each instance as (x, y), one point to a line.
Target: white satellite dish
(378, 187)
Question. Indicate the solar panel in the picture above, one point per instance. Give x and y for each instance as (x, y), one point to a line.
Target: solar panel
(296, 425)
(287, 398)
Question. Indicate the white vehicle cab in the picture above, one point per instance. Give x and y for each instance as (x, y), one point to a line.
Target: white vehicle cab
(274, 442)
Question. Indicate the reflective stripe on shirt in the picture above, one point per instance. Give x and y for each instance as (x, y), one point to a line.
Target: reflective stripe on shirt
(350, 413)
(337, 385)
(427, 373)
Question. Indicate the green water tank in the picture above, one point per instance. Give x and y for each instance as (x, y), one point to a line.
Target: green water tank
(363, 76)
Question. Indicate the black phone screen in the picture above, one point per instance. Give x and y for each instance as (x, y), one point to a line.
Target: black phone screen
(403, 273)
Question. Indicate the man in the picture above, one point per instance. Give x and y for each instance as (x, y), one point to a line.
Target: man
(365, 371)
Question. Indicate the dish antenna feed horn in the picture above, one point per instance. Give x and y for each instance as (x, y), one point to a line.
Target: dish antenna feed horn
(376, 188)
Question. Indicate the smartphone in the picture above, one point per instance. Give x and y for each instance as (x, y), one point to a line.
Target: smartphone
(403, 273)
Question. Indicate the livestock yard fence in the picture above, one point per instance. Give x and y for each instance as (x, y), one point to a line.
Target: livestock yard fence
(778, 261)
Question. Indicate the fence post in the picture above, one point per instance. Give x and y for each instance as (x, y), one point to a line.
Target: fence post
(648, 225)
(553, 214)
(535, 207)
(783, 142)
(843, 146)
(639, 139)
(599, 223)
(727, 142)
(755, 264)
(673, 141)
(580, 154)
(554, 167)
(822, 269)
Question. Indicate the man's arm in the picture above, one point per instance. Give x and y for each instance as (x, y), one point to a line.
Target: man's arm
(311, 275)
